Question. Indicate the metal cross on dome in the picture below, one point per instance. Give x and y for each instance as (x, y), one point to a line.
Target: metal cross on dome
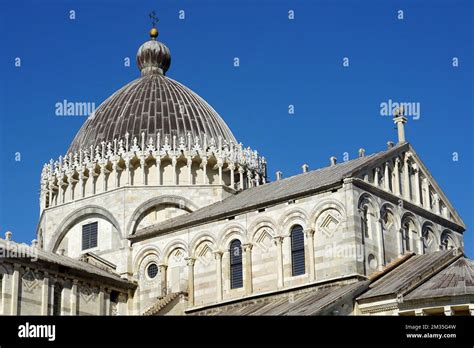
(154, 18)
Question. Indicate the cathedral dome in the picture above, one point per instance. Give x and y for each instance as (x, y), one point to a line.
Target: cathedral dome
(152, 104)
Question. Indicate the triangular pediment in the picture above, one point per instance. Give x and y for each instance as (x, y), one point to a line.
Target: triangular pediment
(418, 187)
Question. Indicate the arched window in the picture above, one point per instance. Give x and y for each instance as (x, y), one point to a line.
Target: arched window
(447, 241)
(57, 299)
(428, 239)
(387, 220)
(297, 251)
(406, 237)
(236, 278)
(365, 221)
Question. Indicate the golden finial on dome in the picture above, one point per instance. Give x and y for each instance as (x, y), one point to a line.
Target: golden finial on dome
(154, 20)
(153, 33)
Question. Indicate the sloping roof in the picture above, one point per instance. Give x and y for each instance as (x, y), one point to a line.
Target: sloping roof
(53, 259)
(161, 303)
(313, 302)
(455, 280)
(410, 274)
(267, 194)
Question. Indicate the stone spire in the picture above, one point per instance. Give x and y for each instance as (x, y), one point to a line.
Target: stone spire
(153, 57)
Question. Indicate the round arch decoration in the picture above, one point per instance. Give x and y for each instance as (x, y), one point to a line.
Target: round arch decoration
(79, 214)
(232, 231)
(178, 201)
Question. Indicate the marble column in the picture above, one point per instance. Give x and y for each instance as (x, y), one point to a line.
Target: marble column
(436, 205)
(101, 308)
(278, 240)
(50, 197)
(130, 307)
(249, 178)
(241, 178)
(396, 173)
(15, 290)
(309, 233)
(417, 185)
(74, 297)
(219, 167)
(45, 294)
(190, 262)
(127, 169)
(163, 280)
(3, 293)
(115, 173)
(426, 194)
(62, 309)
(158, 170)
(247, 258)
(143, 170)
(257, 179)
(377, 176)
(406, 179)
(71, 181)
(232, 171)
(204, 171)
(174, 162)
(189, 164)
(387, 177)
(218, 256)
(107, 302)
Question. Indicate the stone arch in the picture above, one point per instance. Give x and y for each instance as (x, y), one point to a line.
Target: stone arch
(430, 239)
(367, 199)
(390, 237)
(5, 269)
(369, 211)
(413, 243)
(388, 207)
(411, 216)
(172, 246)
(324, 205)
(262, 223)
(293, 217)
(448, 240)
(143, 253)
(231, 232)
(181, 202)
(79, 214)
(174, 257)
(198, 240)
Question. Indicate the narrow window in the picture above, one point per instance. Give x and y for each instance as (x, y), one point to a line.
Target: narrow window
(89, 236)
(297, 250)
(365, 222)
(57, 299)
(406, 236)
(236, 278)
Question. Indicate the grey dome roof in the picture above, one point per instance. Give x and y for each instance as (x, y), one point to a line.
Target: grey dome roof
(152, 104)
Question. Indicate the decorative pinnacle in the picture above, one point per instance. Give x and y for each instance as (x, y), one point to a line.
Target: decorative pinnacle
(399, 119)
(154, 20)
(399, 112)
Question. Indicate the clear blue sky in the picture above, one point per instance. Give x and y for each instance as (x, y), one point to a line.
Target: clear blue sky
(282, 62)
